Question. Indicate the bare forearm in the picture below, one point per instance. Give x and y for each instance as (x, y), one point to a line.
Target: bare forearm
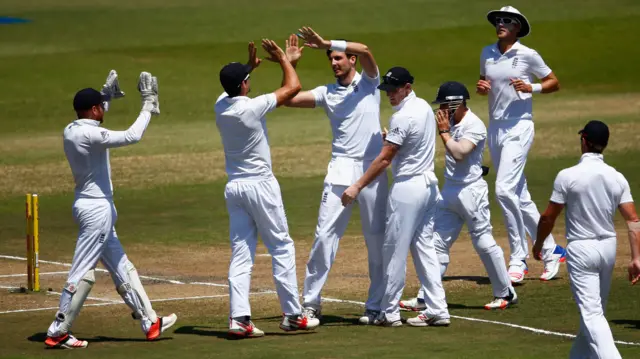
(377, 167)
(545, 226)
(550, 85)
(634, 239)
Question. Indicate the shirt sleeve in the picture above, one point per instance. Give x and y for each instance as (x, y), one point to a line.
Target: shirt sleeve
(537, 65)
(626, 191)
(475, 133)
(374, 81)
(264, 104)
(101, 137)
(559, 194)
(400, 129)
(320, 93)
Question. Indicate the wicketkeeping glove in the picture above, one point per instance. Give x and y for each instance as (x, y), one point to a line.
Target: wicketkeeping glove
(148, 87)
(111, 89)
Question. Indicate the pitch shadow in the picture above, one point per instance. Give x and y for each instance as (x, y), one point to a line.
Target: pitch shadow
(41, 337)
(478, 279)
(462, 306)
(630, 323)
(223, 334)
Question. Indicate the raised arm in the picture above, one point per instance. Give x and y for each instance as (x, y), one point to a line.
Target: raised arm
(367, 61)
(388, 152)
(290, 81)
(148, 87)
(459, 149)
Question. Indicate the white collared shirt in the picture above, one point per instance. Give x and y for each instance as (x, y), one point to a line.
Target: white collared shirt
(354, 114)
(519, 62)
(469, 170)
(413, 128)
(242, 125)
(591, 192)
(86, 146)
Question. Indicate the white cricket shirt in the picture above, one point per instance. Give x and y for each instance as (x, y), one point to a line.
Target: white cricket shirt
(86, 146)
(413, 128)
(242, 124)
(591, 192)
(519, 62)
(354, 114)
(469, 170)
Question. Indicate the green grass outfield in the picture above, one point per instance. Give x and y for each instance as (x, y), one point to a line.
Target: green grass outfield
(169, 188)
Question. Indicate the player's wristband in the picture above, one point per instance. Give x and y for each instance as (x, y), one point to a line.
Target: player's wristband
(445, 131)
(338, 45)
(536, 88)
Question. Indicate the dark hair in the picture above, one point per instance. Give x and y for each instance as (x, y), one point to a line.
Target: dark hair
(593, 147)
(234, 91)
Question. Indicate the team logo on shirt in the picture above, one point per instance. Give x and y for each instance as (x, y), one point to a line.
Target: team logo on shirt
(105, 135)
(101, 239)
(325, 196)
(514, 63)
(395, 131)
(355, 86)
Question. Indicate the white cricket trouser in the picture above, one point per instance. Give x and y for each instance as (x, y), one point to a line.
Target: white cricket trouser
(97, 241)
(333, 219)
(256, 207)
(509, 144)
(410, 213)
(590, 265)
(469, 203)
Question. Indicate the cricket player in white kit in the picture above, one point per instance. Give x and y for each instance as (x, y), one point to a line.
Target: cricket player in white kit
(353, 107)
(86, 146)
(411, 206)
(507, 69)
(253, 194)
(591, 191)
(465, 195)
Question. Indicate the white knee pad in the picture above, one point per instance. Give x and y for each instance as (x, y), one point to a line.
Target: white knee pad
(133, 293)
(73, 297)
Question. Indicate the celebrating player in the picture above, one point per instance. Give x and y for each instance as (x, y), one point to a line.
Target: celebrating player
(591, 191)
(253, 195)
(410, 144)
(506, 74)
(353, 107)
(86, 146)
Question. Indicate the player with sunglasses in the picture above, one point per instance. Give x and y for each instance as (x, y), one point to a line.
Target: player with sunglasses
(507, 71)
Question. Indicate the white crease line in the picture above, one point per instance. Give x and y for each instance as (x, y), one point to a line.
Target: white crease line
(97, 269)
(24, 274)
(535, 330)
(115, 303)
(209, 284)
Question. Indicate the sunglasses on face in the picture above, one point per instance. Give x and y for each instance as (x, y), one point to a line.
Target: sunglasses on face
(506, 21)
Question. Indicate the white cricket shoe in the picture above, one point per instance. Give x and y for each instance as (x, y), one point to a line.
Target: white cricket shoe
(503, 303)
(517, 271)
(298, 322)
(244, 329)
(369, 317)
(66, 341)
(311, 312)
(424, 320)
(412, 305)
(552, 263)
(162, 324)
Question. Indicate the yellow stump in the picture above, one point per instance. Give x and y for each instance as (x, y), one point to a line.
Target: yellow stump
(33, 243)
(36, 244)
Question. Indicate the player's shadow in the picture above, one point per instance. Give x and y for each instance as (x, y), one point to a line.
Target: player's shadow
(330, 320)
(41, 337)
(469, 278)
(463, 306)
(223, 334)
(630, 323)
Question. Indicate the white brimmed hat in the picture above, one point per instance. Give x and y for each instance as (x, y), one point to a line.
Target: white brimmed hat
(510, 11)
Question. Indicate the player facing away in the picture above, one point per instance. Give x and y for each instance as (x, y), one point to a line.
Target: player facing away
(591, 191)
(352, 105)
(410, 146)
(252, 193)
(507, 69)
(86, 146)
